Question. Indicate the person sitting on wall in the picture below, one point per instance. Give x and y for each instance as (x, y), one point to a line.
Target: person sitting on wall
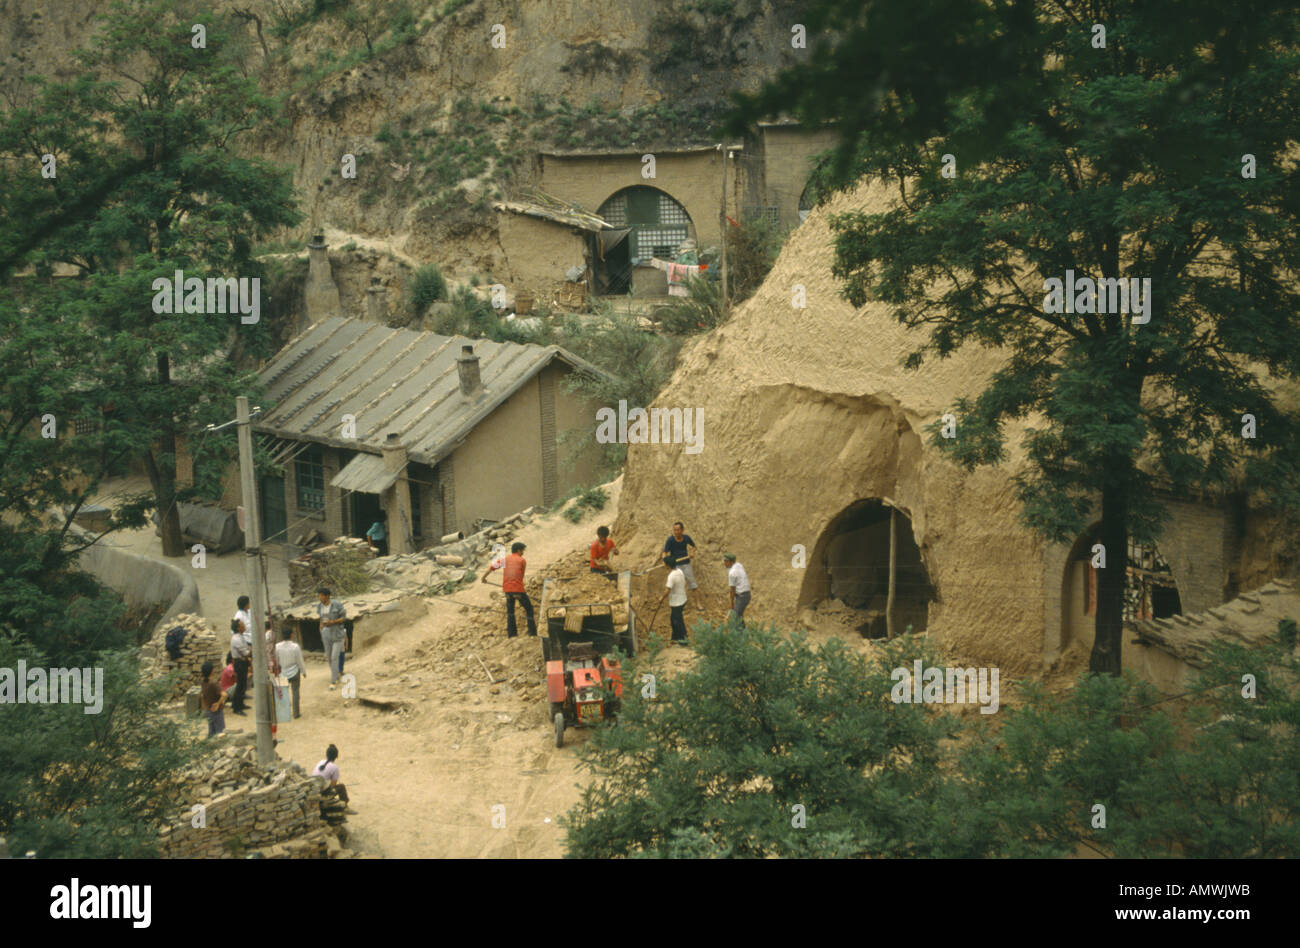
(330, 771)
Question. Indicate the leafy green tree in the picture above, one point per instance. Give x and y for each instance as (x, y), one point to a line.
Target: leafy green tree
(164, 118)
(715, 764)
(1165, 154)
(1237, 786)
(720, 762)
(74, 784)
(89, 785)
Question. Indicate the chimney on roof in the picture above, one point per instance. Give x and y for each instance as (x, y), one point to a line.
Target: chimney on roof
(394, 452)
(467, 364)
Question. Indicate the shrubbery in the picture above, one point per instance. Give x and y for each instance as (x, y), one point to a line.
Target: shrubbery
(727, 756)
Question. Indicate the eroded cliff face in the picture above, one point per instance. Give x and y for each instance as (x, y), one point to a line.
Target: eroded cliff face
(449, 115)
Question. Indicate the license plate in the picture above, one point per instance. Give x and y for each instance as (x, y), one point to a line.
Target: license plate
(589, 712)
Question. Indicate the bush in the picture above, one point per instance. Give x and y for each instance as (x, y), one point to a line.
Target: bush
(585, 500)
(427, 286)
(77, 785)
(639, 363)
(752, 249)
(699, 312)
(715, 764)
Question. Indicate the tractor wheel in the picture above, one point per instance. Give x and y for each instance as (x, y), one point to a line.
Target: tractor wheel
(559, 729)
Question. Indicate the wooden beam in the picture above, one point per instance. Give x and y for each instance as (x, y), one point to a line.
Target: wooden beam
(889, 603)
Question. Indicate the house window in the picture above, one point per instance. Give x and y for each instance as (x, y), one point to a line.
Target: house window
(84, 426)
(659, 241)
(310, 471)
(754, 212)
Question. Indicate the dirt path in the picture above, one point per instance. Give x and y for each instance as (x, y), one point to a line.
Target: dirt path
(458, 754)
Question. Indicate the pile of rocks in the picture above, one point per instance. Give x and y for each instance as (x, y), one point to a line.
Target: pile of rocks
(575, 583)
(248, 810)
(440, 570)
(202, 643)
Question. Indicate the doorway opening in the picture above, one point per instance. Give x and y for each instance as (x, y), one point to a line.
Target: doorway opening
(851, 564)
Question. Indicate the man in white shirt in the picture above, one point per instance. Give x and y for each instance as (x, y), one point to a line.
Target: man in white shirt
(676, 600)
(737, 587)
(289, 654)
(244, 614)
(241, 650)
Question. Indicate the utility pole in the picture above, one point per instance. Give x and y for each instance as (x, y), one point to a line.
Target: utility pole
(252, 564)
(722, 222)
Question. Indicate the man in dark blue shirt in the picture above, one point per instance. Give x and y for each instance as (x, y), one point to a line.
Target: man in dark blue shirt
(681, 548)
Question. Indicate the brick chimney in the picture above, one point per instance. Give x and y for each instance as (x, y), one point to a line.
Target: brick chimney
(320, 294)
(376, 302)
(467, 364)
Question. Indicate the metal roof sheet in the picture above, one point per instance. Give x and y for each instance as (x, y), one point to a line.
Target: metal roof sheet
(365, 472)
(392, 380)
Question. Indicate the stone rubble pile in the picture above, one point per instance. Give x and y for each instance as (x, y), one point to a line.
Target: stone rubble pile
(441, 569)
(252, 811)
(201, 644)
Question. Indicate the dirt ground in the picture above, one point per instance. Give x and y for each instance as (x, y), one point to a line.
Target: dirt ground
(221, 581)
(452, 753)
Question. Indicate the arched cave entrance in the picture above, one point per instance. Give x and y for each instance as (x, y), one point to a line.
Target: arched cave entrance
(850, 562)
(647, 223)
(1150, 591)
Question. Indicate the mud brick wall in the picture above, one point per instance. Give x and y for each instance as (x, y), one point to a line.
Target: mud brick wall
(201, 644)
(248, 810)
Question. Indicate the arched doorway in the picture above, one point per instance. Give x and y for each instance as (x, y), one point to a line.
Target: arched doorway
(1150, 591)
(850, 563)
(648, 223)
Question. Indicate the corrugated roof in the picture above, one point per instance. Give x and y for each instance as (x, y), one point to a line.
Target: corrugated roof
(392, 380)
(365, 472)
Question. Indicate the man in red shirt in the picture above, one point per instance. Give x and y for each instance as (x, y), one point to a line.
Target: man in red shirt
(512, 584)
(601, 551)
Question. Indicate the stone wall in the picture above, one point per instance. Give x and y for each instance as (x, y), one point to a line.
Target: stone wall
(247, 810)
(201, 644)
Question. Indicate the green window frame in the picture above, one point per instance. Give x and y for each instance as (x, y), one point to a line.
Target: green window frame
(309, 474)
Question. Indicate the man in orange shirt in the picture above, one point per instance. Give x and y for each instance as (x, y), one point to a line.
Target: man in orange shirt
(601, 551)
(512, 584)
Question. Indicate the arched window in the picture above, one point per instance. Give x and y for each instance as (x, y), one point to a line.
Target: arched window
(659, 223)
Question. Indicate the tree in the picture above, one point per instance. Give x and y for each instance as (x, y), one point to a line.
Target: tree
(73, 783)
(148, 183)
(767, 748)
(1161, 149)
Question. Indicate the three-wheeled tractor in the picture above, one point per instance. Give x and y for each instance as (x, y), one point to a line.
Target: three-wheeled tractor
(584, 678)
